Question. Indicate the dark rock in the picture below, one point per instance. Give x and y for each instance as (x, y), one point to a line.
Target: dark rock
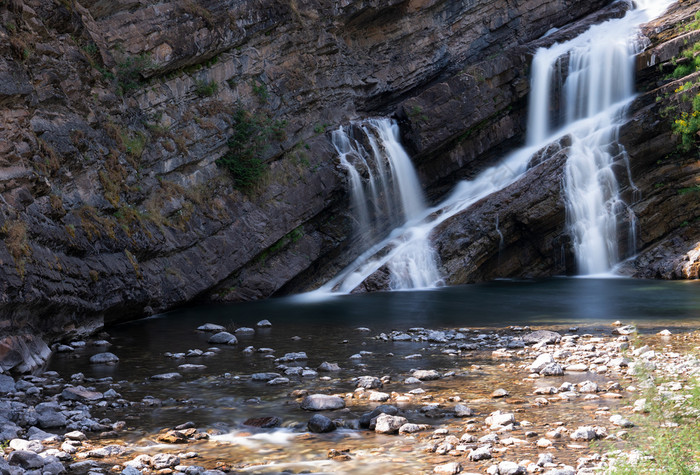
(7, 384)
(25, 459)
(264, 422)
(366, 419)
(321, 424)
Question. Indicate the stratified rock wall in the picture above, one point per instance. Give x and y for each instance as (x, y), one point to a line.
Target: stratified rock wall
(113, 114)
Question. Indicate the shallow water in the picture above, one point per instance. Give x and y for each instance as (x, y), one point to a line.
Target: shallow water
(222, 396)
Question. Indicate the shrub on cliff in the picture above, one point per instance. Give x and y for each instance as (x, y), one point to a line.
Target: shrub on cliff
(252, 134)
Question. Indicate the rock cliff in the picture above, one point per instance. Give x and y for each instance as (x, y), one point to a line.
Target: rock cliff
(115, 114)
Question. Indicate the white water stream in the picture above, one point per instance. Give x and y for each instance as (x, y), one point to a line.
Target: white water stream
(593, 99)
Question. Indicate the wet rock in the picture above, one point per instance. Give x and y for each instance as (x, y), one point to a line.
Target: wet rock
(561, 471)
(541, 361)
(25, 459)
(81, 394)
(300, 355)
(386, 424)
(322, 402)
(577, 367)
(552, 369)
(448, 468)
(624, 330)
(463, 411)
(327, 367)
(499, 393)
(499, 418)
(588, 387)
(510, 468)
(104, 358)
(264, 324)
(278, 381)
(482, 453)
(585, 433)
(34, 433)
(163, 461)
(412, 380)
(108, 451)
(321, 424)
(211, 327)
(263, 422)
(223, 338)
(7, 384)
(369, 382)
(410, 428)
(425, 374)
(189, 367)
(542, 336)
(264, 376)
(367, 418)
(166, 376)
(130, 471)
(172, 437)
(244, 331)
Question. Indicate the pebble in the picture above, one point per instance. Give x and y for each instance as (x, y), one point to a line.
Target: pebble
(482, 453)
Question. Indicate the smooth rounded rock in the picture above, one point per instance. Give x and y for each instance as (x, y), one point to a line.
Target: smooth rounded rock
(426, 374)
(327, 367)
(211, 327)
(320, 424)
(25, 459)
(223, 338)
(104, 358)
(322, 402)
(386, 424)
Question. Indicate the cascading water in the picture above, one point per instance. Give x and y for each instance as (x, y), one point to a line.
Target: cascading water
(598, 87)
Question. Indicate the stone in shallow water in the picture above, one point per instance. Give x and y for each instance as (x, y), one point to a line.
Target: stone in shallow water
(327, 367)
(583, 433)
(264, 323)
(166, 376)
(104, 358)
(387, 424)
(263, 422)
(426, 374)
(449, 468)
(224, 338)
(369, 382)
(463, 411)
(320, 424)
(264, 376)
(300, 355)
(498, 393)
(322, 402)
(27, 445)
(541, 361)
(409, 428)
(618, 420)
(482, 453)
(541, 336)
(552, 369)
(211, 327)
(163, 461)
(510, 468)
(245, 331)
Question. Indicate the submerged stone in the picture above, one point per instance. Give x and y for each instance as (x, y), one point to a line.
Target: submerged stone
(223, 338)
(104, 358)
(322, 402)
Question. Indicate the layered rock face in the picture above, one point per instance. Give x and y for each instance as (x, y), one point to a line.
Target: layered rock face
(114, 114)
(664, 192)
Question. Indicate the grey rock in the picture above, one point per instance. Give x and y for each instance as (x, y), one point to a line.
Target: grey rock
(426, 374)
(264, 376)
(510, 468)
(321, 424)
(223, 338)
(386, 424)
(163, 461)
(327, 367)
(278, 381)
(541, 361)
(244, 331)
(25, 459)
(7, 384)
(299, 355)
(369, 382)
(482, 453)
(264, 324)
(28, 445)
(366, 418)
(34, 433)
(618, 420)
(463, 411)
(552, 369)
(211, 327)
(322, 402)
(166, 376)
(541, 336)
(104, 358)
(81, 394)
(131, 471)
(450, 468)
(584, 433)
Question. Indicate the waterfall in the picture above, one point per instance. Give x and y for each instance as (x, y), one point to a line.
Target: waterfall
(588, 105)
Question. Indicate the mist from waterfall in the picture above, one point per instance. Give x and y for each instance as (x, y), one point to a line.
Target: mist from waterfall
(598, 66)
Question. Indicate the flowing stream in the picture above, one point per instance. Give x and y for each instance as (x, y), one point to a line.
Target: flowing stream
(593, 94)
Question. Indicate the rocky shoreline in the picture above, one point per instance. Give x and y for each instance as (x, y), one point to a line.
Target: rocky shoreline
(498, 401)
